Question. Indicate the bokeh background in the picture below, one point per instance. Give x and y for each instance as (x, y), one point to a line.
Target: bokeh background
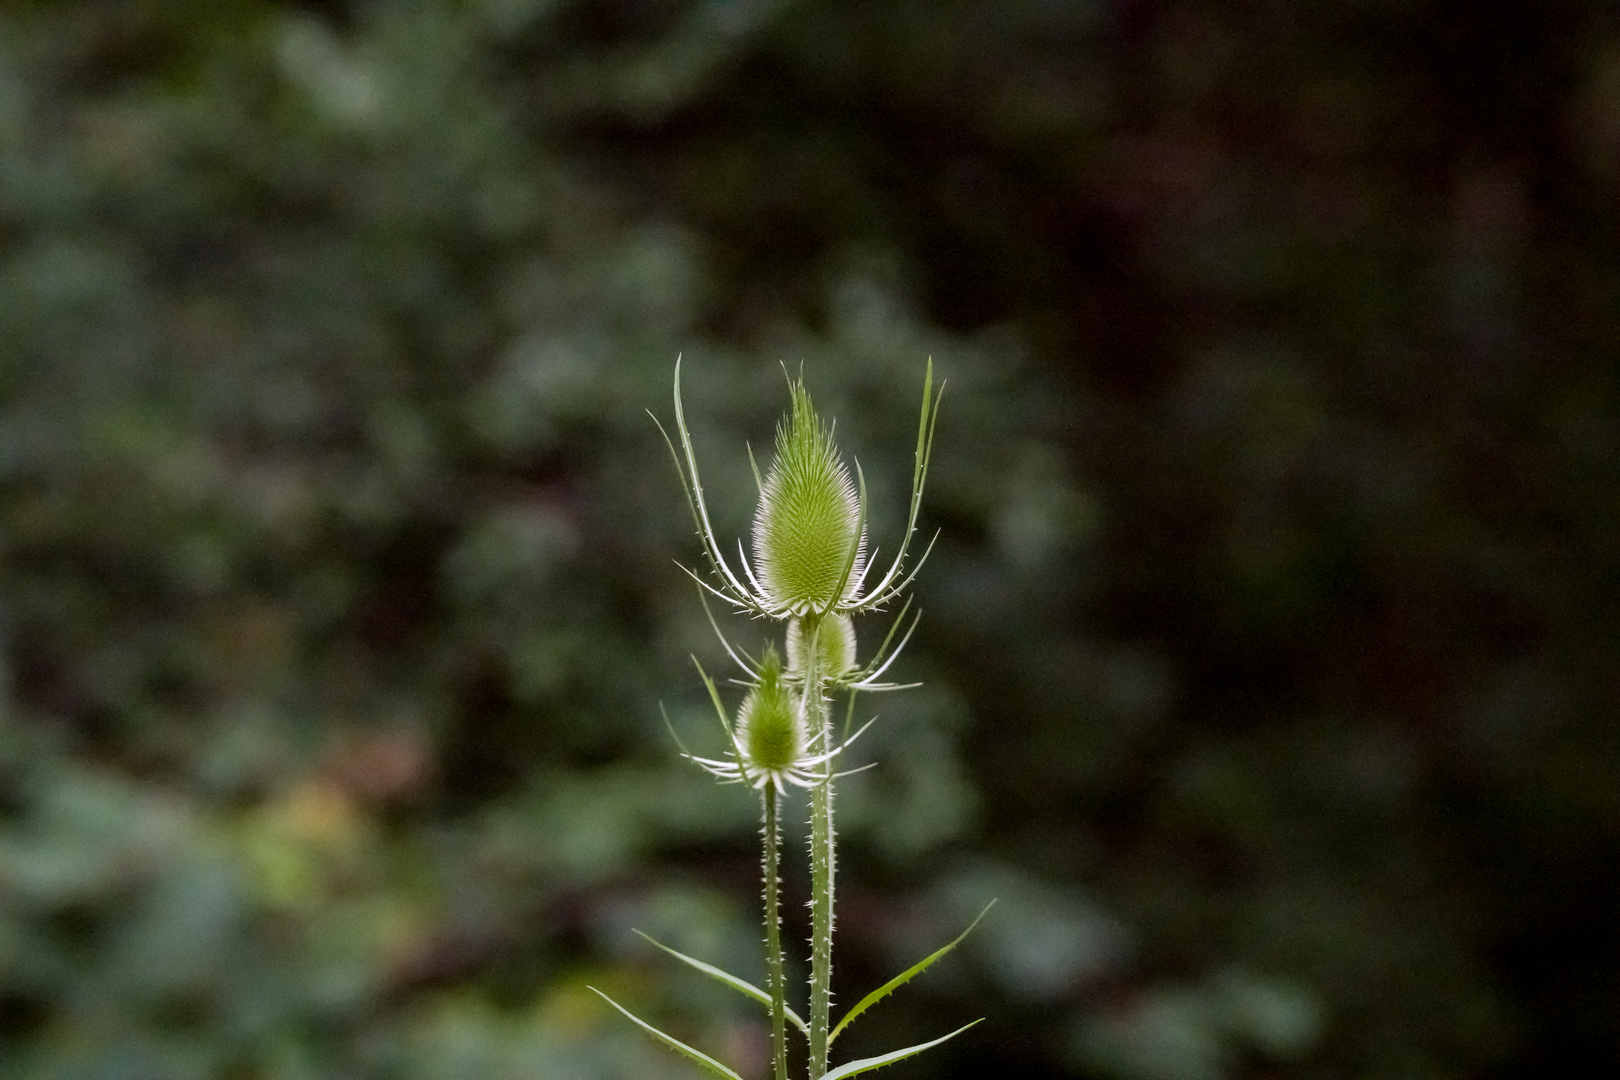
(1270, 644)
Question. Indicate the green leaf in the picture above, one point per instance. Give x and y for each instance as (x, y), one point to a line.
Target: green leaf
(747, 989)
(669, 1040)
(904, 977)
(855, 1068)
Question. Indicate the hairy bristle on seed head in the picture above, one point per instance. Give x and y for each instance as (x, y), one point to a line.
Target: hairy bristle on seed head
(808, 519)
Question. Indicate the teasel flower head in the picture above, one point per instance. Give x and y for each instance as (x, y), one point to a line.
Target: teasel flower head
(809, 529)
(809, 534)
(771, 742)
(833, 641)
(771, 731)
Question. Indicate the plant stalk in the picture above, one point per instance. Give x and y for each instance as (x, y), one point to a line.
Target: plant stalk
(773, 933)
(823, 866)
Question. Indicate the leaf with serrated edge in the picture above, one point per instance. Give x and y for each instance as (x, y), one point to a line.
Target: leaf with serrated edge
(739, 985)
(669, 1040)
(855, 1068)
(904, 977)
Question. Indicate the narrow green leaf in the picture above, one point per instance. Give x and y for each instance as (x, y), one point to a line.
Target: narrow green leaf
(855, 1068)
(694, 496)
(892, 583)
(904, 977)
(669, 1040)
(671, 729)
(738, 654)
(899, 618)
(719, 709)
(743, 987)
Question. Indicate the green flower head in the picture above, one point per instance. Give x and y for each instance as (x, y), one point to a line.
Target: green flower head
(835, 646)
(771, 731)
(809, 535)
(809, 532)
(771, 742)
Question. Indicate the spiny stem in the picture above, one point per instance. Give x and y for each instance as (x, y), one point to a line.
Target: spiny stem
(823, 864)
(773, 934)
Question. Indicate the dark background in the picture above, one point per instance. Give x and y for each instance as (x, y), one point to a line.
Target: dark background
(1270, 643)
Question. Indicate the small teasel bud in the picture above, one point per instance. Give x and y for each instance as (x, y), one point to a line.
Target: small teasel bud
(835, 641)
(809, 517)
(770, 724)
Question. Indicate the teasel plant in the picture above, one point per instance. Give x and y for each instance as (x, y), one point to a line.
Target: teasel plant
(810, 573)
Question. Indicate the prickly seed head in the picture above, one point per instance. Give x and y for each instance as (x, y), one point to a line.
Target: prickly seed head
(835, 642)
(770, 725)
(808, 519)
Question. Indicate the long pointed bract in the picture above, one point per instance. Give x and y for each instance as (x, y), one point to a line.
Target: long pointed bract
(720, 975)
(905, 976)
(886, 589)
(855, 1068)
(700, 511)
(669, 1040)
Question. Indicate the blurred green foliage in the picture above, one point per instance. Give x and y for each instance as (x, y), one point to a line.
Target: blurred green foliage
(1270, 643)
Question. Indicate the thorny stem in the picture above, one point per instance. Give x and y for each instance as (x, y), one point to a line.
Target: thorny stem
(773, 932)
(823, 864)
(823, 867)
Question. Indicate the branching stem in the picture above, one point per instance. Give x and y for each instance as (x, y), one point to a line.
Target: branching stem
(810, 570)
